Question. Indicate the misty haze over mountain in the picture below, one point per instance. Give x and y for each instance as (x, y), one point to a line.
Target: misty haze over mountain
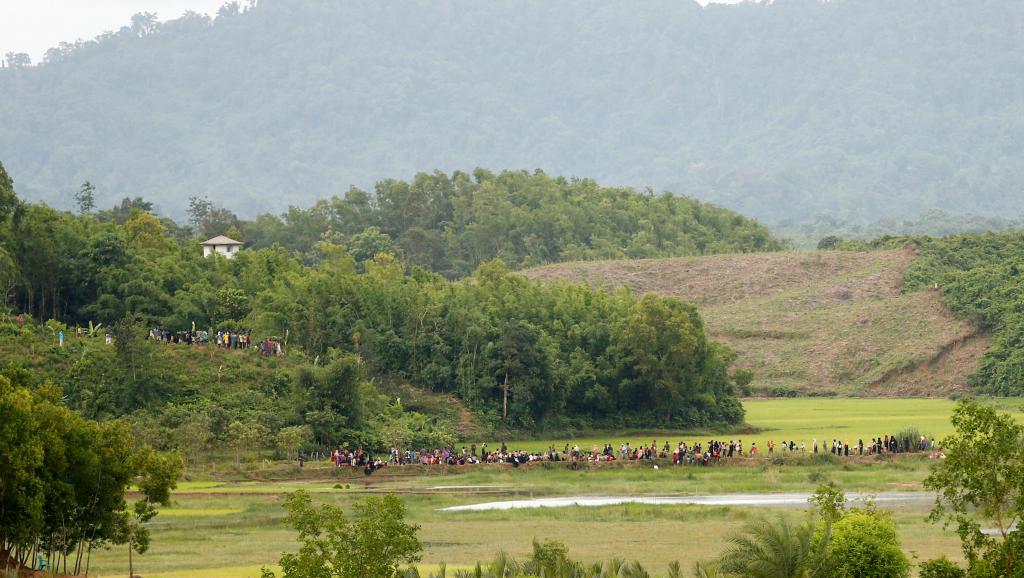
(856, 109)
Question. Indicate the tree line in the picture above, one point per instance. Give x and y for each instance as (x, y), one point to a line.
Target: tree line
(520, 354)
(451, 224)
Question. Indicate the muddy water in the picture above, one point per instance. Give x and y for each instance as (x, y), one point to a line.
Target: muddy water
(750, 500)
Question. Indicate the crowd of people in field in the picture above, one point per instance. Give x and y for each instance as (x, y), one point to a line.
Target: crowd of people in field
(267, 347)
(888, 444)
(709, 453)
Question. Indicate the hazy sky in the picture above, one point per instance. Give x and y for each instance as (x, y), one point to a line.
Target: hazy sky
(33, 26)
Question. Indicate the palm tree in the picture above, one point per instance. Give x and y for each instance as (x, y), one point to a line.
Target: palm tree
(704, 570)
(776, 549)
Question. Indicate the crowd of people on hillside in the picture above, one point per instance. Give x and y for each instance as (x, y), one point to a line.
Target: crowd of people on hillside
(697, 453)
(267, 347)
(179, 337)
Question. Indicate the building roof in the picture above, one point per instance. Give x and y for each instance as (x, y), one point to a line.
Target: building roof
(222, 240)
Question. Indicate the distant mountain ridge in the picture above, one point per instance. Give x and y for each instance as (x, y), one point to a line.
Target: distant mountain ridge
(859, 109)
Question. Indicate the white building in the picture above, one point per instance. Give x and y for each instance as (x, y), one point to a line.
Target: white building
(223, 245)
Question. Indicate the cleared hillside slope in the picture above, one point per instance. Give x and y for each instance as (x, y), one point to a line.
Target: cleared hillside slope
(823, 322)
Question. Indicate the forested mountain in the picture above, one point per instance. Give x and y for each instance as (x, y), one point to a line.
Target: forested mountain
(859, 109)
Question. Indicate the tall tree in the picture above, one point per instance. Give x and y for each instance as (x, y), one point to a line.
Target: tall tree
(18, 59)
(85, 198)
(8, 200)
(664, 345)
(158, 475)
(982, 477)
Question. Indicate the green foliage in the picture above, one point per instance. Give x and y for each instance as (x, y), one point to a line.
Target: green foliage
(157, 474)
(292, 439)
(982, 479)
(231, 306)
(246, 438)
(8, 200)
(64, 477)
(85, 198)
(829, 502)
(865, 544)
(549, 558)
(409, 429)
(536, 355)
(832, 232)
(837, 543)
(521, 355)
(667, 358)
(335, 397)
(373, 545)
(453, 223)
(772, 549)
(940, 567)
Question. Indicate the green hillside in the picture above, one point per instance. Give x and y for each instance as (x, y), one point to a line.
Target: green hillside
(517, 356)
(856, 109)
(818, 322)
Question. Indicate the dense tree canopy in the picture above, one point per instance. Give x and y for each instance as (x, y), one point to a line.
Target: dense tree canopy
(520, 354)
(857, 109)
(64, 479)
(452, 223)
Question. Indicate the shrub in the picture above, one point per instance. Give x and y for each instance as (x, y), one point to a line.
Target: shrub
(372, 545)
(817, 477)
(941, 567)
(866, 544)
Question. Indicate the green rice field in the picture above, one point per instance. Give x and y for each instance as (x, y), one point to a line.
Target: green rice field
(802, 420)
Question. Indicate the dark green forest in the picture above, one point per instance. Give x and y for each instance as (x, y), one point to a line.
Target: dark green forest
(452, 224)
(852, 110)
(520, 355)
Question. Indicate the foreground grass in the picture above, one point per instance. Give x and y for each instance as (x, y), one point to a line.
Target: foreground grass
(232, 528)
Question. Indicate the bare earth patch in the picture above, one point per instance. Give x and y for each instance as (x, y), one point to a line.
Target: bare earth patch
(814, 321)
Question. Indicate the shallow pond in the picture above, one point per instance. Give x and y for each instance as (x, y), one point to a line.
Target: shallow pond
(786, 500)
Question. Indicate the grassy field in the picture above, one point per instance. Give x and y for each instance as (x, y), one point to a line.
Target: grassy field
(230, 528)
(811, 320)
(802, 420)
